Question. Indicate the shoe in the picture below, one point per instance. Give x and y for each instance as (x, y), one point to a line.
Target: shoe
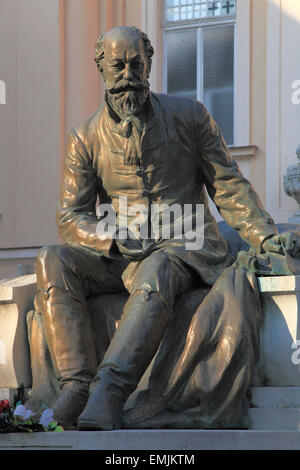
(102, 412)
(70, 403)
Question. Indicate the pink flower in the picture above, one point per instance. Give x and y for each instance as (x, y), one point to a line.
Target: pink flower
(4, 405)
(46, 418)
(23, 412)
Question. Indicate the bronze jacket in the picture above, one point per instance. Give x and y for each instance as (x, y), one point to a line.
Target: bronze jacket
(182, 152)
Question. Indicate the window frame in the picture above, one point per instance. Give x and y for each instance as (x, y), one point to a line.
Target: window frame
(152, 20)
(199, 24)
(204, 18)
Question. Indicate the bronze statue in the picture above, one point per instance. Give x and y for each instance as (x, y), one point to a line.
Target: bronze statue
(152, 149)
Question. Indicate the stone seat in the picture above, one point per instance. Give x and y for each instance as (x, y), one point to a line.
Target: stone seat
(276, 380)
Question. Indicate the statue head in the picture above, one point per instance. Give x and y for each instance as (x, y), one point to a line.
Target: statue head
(123, 56)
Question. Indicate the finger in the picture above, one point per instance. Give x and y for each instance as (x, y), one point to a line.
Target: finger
(131, 252)
(296, 248)
(287, 240)
(133, 256)
(272, 247)
(130, 243)
(148, 244)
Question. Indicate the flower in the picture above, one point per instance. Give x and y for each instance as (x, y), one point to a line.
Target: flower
(24, 420)
(46, 417)
(23, 412)
(4, 406)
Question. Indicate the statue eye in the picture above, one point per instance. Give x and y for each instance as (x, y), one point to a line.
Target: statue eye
(118, 65)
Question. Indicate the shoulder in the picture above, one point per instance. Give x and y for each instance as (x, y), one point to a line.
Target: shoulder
(177, 102)
(86, 129)
(179, 107)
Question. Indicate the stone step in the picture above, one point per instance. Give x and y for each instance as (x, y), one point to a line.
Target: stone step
(164, 439)
(4, 394)
(9, 287)
(275, 408)
(275, 419)
(275, 397)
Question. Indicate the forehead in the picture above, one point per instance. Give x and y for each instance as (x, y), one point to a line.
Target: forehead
(122, 44)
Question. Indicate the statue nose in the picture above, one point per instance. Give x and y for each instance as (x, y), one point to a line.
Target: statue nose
(127, 72)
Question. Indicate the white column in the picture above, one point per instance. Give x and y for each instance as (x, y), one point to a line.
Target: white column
(242, 73)
(151, 24)
(81, 77)
(283, 116)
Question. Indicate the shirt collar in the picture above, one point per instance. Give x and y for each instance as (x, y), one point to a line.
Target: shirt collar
(154, 123)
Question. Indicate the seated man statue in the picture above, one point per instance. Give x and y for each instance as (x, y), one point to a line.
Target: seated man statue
(149, 150)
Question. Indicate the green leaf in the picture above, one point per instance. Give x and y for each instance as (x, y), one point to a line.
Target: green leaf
(52, 425)
(59, 429)
(28, 422)
(22, 428)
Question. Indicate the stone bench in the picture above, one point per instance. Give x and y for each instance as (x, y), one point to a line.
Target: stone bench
(16, 299)
(276, 379)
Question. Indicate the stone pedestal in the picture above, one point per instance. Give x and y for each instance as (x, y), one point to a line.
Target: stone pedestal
(16, 299)
(275, 389)
(291, 183)
(163, 439)
(280, 330)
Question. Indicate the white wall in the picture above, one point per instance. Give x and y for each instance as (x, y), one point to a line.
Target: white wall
(46, 50)
(283, 116)
(29, 122)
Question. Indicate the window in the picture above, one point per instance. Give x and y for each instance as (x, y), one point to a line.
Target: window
(199, 56)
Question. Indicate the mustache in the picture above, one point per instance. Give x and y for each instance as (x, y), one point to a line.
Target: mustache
(124, 87)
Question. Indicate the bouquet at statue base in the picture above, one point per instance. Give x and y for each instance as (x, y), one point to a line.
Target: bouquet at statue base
(22, 419)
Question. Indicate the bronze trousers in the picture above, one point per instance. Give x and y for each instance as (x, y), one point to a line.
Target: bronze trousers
(203, 367)
(68, 275)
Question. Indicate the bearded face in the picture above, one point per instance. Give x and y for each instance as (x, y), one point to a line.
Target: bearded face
(124, 69)
(128, 97)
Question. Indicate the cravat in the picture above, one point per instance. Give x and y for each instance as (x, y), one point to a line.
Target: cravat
(132, 128)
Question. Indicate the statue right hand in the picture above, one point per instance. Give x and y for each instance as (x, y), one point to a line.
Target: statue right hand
(132, 248)
(285, 242)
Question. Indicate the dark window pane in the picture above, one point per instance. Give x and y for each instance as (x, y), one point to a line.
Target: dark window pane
(182, 63)
(191, 9)
(218, 76)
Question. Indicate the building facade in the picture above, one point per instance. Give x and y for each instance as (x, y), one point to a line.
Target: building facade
(49, 82)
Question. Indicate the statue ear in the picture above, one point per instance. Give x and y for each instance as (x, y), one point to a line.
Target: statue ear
(149, 63)
(149, 67)
(100, 65)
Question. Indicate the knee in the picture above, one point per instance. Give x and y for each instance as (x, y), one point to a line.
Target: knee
(47, 254)
(159, 260)
(50, 261)
(153, 276)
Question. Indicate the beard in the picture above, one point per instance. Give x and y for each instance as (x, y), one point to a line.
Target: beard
(127, 98)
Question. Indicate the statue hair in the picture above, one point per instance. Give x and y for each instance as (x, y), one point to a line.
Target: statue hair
(148, 49)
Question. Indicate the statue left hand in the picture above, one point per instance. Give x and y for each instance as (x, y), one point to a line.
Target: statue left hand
(285, 242)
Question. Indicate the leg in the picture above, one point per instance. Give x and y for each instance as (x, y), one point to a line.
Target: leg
(153, 287)
(66, 275)
(203, 372)
(208, 385)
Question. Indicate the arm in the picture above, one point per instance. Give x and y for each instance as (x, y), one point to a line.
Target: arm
(233, 195)
(76, 211)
